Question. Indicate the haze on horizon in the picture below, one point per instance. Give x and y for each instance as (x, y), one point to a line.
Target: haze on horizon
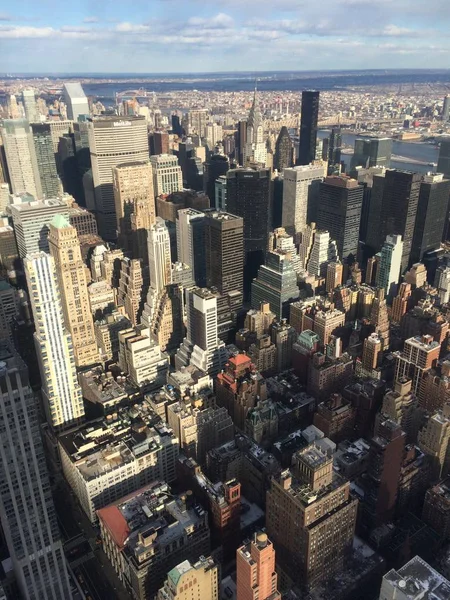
(188, 36)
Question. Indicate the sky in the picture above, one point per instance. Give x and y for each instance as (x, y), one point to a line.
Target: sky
(189, 36)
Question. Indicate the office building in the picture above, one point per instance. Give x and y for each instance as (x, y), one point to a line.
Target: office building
(76, 101)
(379, 318)
(249, 196)
(328, 372)
(224, 249)
(197, 120)
(134, 200)
(20, 153)
(147, 533)
(45, 156)
(418, 356)
(308, 127)
(389, 265)
(416, 580)
(369, 364)
(310, 518)
(167, 175)
(62, 399)
(132, 287)
(217, 166)
(9, 309)
(213, 134)
(444, 158)
(159, 143)
(284, 151)
(436, 508)
(113, 140)
(30, 106)
(434, 441)
(72, 283)
(335, 272)
(323, 253)
(339, 212)
(141, 358)
(220, 191)
(334, 146)
(374, 152)
(256, 578)
(432, 208)
(107, 335)
(335, 417)
(326, 322)
(255, 149)
(401, 406)
(190, 227)
(28, 516)
(192, 581)
(300, 195)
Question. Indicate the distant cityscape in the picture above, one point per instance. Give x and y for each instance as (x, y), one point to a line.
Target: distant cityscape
(224, 336)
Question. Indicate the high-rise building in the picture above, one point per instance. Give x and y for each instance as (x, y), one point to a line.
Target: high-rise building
(310, 517)
(215, 167)
(368, 366)
(436, 508)
(76, 101)
(190, 227)
(45, 157)
(113, 140)
(133, 284)
(446, 108)
(323, 252)
(28, 516)
(134, 201)
(388, 272)
(284, 151)
(334, 146)
(197, 120)
(220, 191)
(20, 155)
(308, 127)
(418, 356)
(414, 581)
(249, 195)
(167, 175)
(30, 106)
(374, 152)
(61, 393)
(256, 578)
(339, 212)
(434, 441)
(379, 317)
(224, 249)
(335, 271)
(72, 282)
(255, 149)
(192, 581)
(444, 158)
(432, 209)
(300, 193)
(159, 143)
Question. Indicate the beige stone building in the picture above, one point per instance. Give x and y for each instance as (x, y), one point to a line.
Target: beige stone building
(199, 581)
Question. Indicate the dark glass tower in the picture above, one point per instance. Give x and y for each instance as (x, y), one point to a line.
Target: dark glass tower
(339, 212)
(241, 140)
(334, 146)
(283, 158)
(249, 195)
(431, 215)
(308, 128)
(216, 166)
(176, 126)
(374, 152)
(45, 156)
(444, 159)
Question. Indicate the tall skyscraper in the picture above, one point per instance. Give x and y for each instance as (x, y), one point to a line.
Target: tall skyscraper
(334, 146)
(134, 199)
(373, 152)
(432, 211)
(256, 578)
(61, 393)
(190, 226)
(20, 155)
(159, 256)
(388, 272)
(300, 191)
(249, 195)
(30, 106)
(215, 167)
(241, 140)
(444, 158)
(167, 175)
(113, 141)
(340, 204)
(323, 252)
(308, 128)
(255, 149)
(284, 151)
(224, 249)
(76, 101)
(45, 156)
(26, 507)
(446, 108)
(72, 282)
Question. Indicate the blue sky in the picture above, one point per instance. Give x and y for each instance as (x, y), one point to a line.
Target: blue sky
(152, 36)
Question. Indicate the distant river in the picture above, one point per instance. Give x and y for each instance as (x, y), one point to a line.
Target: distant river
(416, 150)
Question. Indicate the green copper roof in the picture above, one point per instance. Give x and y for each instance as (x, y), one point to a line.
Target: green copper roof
(60, 222)
(178, 571)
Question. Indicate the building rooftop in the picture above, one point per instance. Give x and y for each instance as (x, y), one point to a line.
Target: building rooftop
(417, 580)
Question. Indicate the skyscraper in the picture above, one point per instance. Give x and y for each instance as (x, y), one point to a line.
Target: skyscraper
(189, 581)
(323, 251)
(256, 578)
(432, 210)
(30, 106)
(113, 141)
(373, 152)
(284, 151)
(334, 146)
(46, 163)
(249, 195)
(133, 197)
(300, 191)
(340, 203)
(224, 249)
(20, 155)
(76, 101)
(444, 158)
(61, 393)
(190, 226)
(388, 272)
(308, 128)
(26, 507)
(215, 167)
(446, 108)
(167, 175)
(72, 282)
(255, 149)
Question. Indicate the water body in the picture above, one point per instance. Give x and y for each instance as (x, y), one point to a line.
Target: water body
(427, 153)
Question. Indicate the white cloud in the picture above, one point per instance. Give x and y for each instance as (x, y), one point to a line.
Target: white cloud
(91, 20)
(127, 27)
(219, 21)
(26, 32)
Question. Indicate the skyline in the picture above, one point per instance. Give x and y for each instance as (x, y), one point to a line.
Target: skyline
(185, 37)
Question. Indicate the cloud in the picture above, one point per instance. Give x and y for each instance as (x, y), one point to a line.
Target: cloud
(26, 32)
(127, 27)
(219, 21)
(5, 17)
(91, 20)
